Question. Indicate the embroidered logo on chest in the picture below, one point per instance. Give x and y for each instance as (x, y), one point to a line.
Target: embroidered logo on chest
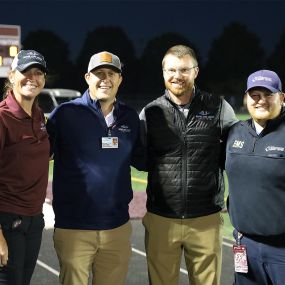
(43, 127)
(238, 144)
(205, 115)
(274, 148)
(124, 129)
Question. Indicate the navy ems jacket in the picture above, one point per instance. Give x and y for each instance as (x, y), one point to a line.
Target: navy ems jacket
(255, 166)
(91, 185)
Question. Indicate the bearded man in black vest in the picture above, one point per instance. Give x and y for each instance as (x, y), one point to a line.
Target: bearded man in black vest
(185, 191)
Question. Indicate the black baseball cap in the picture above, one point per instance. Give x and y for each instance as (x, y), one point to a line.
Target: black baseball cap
(27, 58)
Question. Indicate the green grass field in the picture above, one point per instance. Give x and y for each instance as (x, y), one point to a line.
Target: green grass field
(243, 116)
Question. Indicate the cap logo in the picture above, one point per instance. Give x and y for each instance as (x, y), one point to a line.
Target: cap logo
(26, 58)
(259, 78)
(105, 57)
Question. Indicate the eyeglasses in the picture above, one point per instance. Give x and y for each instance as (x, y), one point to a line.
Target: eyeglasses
(183, 71)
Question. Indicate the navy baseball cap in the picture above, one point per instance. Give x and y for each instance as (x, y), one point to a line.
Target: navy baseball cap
(27, 58)
(264, 78)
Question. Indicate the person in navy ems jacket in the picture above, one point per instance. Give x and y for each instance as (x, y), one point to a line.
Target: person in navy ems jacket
(94, 140)
(255, 163)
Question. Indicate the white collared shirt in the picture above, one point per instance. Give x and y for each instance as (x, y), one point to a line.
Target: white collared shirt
(110, 118)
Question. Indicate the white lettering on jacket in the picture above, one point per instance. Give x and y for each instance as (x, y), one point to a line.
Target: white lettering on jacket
(238, 144)
(124, 129)
(274, 148)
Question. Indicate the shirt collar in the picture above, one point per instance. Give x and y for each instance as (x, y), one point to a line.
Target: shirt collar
(18, 111)
(96, 103)
(93, 102)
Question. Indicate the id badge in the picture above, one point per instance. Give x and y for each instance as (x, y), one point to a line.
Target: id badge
(240, 258)
(110, 142)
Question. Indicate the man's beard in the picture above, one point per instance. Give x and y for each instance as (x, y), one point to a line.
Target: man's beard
(179, 92)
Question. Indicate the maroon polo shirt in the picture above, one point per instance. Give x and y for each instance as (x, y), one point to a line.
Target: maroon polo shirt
(24, 159)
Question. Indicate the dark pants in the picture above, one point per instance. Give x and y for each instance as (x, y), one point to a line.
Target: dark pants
(23, 236)
(266, 264)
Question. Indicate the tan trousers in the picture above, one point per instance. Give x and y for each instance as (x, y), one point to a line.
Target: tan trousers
(199, 238)
(106, 253)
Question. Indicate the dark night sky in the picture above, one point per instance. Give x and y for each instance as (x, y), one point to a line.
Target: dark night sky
(199, 21)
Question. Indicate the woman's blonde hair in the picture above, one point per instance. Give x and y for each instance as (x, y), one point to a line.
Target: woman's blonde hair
(8, 86)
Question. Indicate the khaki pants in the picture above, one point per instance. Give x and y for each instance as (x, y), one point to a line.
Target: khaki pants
(106, 253)
(199, 238)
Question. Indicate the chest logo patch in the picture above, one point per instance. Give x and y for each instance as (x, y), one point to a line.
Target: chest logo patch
(124, 129)
(238, 144)
(43, 127)
(274, 148)
(205, 115)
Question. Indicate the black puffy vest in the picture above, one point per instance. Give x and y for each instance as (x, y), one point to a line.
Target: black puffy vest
(184, 178)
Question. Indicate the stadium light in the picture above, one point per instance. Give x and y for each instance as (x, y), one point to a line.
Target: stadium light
(13, 50)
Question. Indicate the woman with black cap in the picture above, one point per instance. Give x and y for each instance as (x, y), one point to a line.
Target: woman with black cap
(24, 161)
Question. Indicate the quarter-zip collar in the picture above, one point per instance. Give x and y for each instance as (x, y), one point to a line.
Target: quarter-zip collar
(86, 99)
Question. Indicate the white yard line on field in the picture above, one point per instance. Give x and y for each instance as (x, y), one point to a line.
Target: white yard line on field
(47, 267)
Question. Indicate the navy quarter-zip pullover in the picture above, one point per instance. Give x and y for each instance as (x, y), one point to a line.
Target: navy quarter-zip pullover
(92, 185)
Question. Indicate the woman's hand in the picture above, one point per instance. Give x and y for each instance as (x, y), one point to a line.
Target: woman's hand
(3, 250)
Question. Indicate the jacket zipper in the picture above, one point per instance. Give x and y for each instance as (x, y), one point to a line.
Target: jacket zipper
(184, 160)
(184, 173)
